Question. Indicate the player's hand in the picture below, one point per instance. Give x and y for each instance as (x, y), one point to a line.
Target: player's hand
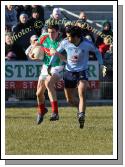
(52, 51)
(32, 57)
(104, 70)
(49, 70)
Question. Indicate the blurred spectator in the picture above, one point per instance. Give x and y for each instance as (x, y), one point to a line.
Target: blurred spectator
(22, 33)
(10, 16)
(36, 22)
(22, 23)
(107, 28)
(105, 46)
(107, 31)
(40, 10)
(56, 18)
(33, 39)
(10, 53)
(82, 16)
(13, 51)
(23, 9)
(82, 22)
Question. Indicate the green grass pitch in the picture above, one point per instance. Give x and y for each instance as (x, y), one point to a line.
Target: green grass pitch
(64, 137)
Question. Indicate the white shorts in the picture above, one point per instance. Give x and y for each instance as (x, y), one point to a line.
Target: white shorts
(58, 70)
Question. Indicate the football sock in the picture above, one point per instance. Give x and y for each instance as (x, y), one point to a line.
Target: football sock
(41, 108)
(54, 106)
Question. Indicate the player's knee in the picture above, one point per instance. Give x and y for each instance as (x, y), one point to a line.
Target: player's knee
(39, 93)
(49, 84)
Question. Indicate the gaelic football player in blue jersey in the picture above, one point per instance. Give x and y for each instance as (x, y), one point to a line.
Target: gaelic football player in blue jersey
(76, 69)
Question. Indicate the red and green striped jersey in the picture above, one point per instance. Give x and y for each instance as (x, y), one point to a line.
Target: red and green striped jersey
(47, 43)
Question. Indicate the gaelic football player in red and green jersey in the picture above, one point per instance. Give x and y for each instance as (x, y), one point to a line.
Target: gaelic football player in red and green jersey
(49, 41)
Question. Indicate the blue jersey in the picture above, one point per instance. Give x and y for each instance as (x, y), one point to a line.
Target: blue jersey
(78, 56)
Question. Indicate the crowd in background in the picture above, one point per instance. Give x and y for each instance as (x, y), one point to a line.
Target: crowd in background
(25, 23)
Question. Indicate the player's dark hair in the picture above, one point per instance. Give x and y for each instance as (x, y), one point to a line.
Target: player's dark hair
(74, 31)
(53, 26)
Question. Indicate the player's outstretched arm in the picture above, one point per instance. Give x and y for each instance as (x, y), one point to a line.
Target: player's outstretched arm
(55, 53)
(100, 60)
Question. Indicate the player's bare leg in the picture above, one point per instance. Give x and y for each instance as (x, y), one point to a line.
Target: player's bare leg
(40, 92)
(70, 94)
(82, 86)
(41, 100)
(50, 85)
